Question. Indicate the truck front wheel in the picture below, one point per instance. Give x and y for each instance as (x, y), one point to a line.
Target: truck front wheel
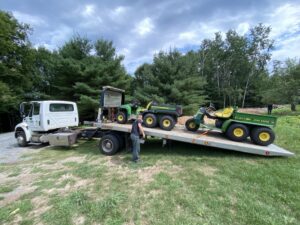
(237, 132)
(21, 139)
(109, 144)
(262, 136)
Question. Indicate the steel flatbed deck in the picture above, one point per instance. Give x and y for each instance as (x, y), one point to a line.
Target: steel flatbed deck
(211, 138)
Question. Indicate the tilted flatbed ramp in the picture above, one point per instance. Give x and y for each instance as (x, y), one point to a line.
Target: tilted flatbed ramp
(212, 139)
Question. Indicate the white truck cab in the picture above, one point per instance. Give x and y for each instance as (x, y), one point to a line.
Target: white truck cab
(42, 118)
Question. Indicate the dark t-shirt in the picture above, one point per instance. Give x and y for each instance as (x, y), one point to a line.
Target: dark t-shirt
(135, 128)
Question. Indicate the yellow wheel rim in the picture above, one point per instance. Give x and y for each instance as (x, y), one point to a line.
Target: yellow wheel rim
(264, 136)
(192, 125)
(149, 120)
(238, 132)
(120, 117)
(166, 123)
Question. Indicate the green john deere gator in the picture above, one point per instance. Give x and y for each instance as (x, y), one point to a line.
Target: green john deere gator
(153, 115)
(237, 126)
(163, 115)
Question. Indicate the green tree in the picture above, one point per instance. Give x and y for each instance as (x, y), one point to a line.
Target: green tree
(80, 75)
(16, 70)
(171, 78)
(233, 65)
(284, 85)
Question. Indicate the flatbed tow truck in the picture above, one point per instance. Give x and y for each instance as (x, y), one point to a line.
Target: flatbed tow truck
(115, 136)
(209, 138)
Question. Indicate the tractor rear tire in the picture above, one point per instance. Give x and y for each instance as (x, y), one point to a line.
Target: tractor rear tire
(167, 122)
(109, 144)
(121, 117)
(262, 136)
(150, 120)
(191, 125)
(237, 132)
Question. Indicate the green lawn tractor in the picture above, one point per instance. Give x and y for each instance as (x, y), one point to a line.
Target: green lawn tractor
(237, 126)
(128, 112)
(163, 115)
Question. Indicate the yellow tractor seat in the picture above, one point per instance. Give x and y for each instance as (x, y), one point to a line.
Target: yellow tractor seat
(225, 113)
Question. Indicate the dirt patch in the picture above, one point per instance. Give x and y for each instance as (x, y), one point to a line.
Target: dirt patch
(24, 181)
(183, 119)
(207, 170)
(146, 175)
(40, 205)
(254, 110)
(76, 159)
(50, 167)
(78, 220)
(16, 194)
(78, 183)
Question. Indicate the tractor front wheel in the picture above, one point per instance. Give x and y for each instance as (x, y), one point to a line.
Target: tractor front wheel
(237, 132)
(121, 117)
(150, 120)
(262, 136)
(167, 123)
(191, 125)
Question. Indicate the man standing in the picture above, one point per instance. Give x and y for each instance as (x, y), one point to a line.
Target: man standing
(270, 107)
(136, 130)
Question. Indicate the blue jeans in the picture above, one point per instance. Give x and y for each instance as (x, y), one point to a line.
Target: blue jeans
(135, 147)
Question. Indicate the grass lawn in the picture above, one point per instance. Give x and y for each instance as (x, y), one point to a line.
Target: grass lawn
(187, 184)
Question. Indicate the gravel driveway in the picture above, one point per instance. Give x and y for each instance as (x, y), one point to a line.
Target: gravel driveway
(10, 151)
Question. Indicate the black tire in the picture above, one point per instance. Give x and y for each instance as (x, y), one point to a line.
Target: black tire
(262, 136)
(237, 132)
(191, 125)
(121, 117)
(167, 122)
(21, 139)
(109, 144)
(150, 120)
(121, 140)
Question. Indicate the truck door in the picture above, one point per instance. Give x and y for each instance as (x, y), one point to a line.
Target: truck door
(33, 120)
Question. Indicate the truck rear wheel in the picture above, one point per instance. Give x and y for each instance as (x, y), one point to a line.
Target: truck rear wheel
(109, 144)
(121, 117)
(262, 136)
(237, 132)
(21, 139)
(150, 120)
(191, 125)
(167, 122)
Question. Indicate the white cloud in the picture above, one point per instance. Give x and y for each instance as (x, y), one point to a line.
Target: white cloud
(188, 35)
(55, 38)
(285, 23)
(144, 27)
(88, 10)
(243, 28)
(91, 23)
(29, 19)
(285, 20)
(290, 48)
(119, 10)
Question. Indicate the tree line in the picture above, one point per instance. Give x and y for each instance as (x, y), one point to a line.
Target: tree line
(228, 70)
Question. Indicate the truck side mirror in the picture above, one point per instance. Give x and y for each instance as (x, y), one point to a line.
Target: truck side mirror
(22, 113)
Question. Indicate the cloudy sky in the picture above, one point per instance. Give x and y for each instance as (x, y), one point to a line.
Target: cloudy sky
(141, 28)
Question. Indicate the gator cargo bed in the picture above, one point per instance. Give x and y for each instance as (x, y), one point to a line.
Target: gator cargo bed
(212, 139)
